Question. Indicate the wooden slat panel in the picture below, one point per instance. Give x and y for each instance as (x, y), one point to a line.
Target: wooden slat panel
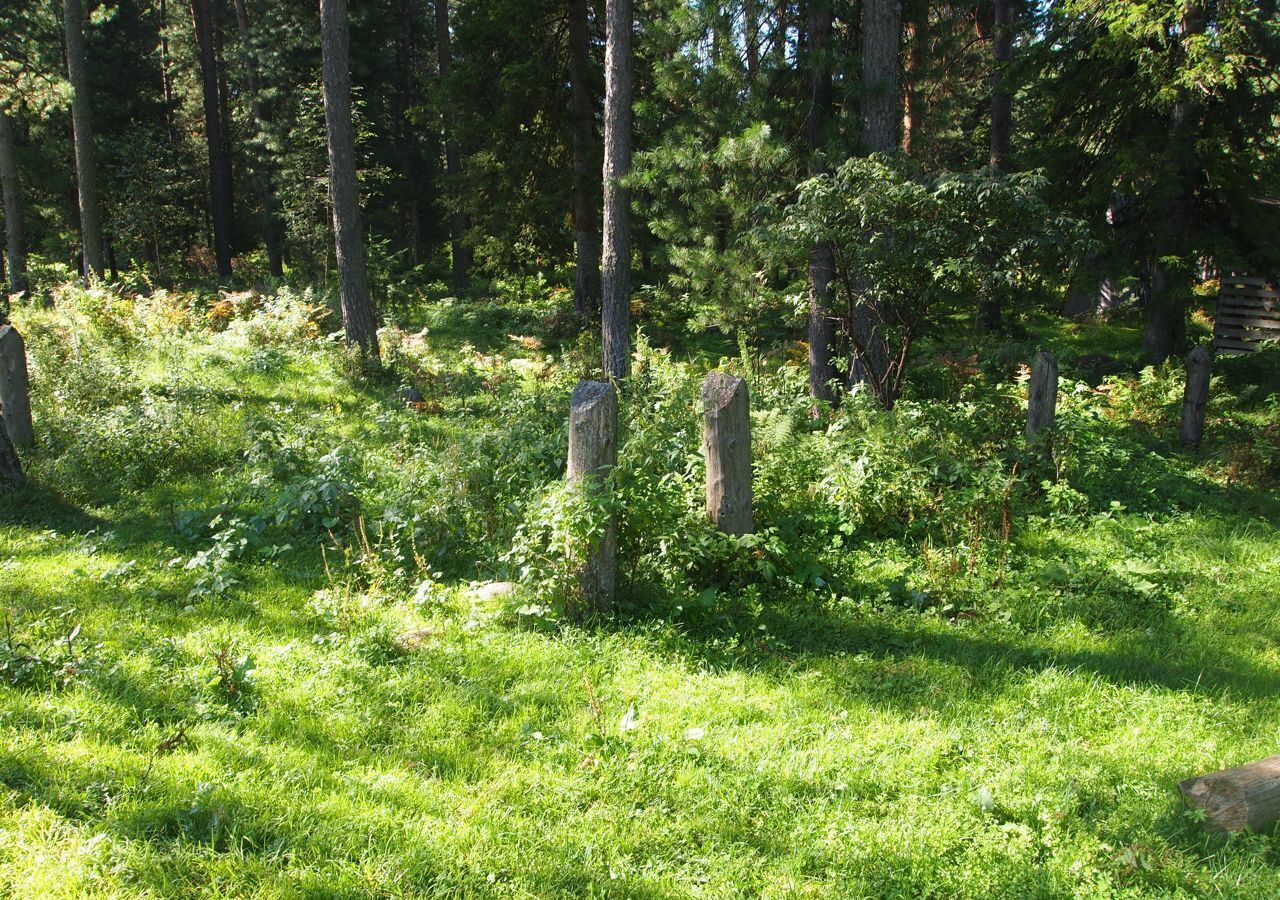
(1255, 294)
(1247, 322)
(1249, 303)
(1243, 279)
(1233, 344)
(1248, 334)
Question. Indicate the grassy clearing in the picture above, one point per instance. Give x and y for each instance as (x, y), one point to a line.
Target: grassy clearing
(244, 657)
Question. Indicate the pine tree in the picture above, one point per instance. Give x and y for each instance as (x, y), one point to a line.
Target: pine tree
(353, 283)
(616, 262)
(86, 162)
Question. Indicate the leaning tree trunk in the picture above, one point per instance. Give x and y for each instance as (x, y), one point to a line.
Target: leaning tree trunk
(353, 283)
(881, 115)
(458, 223)
(273, 222)
(616, 274)
(586, 236)
(86, 167)
(822, 266)
(215, 137)
(15, 242)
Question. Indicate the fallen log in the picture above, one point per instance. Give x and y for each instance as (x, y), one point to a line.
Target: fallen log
(1247, 796)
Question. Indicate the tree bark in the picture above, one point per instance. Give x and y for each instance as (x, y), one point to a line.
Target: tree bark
(822, 267)
(221, 204)
(358, 321)
(1166, 313)
(616, 263)
(404, 98)
(458, 222)
(593, 427)
(913, 111)
(1195, 396)
(1001, 95)
(726, 446)
(15, 240)
(273, 223)
(881, 35)
(992, 307)
(586, 236)
(86, 165)
(1042, 396)
(779, 49)
(881, 115)
(1232, 800)
(15, 395)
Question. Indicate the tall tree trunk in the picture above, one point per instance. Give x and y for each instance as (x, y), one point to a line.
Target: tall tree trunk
(458, 223)
(15, 242)
(913, 111)
(86, 166)
(881, 116)
(751, 38)
(1001, 95)
(406, 58)
(616, 268)
(992, 311)
(780, 34)
(881, 34)
(1166, 313)
(273, 223)
(586, 236)
(215, 134)
(822, 269)
(353, 282)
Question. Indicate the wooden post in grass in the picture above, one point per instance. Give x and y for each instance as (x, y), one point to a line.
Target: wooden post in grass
(1247, 796)
(1196, 395)
(726, 444)
(15, 401)
(593, 430)
(11, 477)
(1042, 400)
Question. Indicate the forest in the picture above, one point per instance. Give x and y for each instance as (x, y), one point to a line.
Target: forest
(639, 448)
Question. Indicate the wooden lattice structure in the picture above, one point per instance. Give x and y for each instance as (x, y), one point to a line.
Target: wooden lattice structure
(1248, 313)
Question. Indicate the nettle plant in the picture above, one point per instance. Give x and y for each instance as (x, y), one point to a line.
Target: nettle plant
(913, 250)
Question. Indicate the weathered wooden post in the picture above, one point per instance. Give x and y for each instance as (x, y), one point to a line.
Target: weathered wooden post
(1247, 796)
(11, 477)
(726, 444)
(593, 429)
(15, 401)
(1196, 395)
(1042, 400)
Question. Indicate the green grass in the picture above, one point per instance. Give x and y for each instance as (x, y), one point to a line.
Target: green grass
(823, 743)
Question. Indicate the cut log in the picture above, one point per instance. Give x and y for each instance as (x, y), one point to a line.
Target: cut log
(15, 400)
(1235, 799)
(1042, 399)
(726, 444)
(1196, 395)
(593, 429)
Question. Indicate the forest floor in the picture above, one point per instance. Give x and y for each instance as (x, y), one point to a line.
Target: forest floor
(245, 656)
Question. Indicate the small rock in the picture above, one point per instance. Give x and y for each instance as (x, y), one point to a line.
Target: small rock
(413, 640)
(495, 590)
(409, 395)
